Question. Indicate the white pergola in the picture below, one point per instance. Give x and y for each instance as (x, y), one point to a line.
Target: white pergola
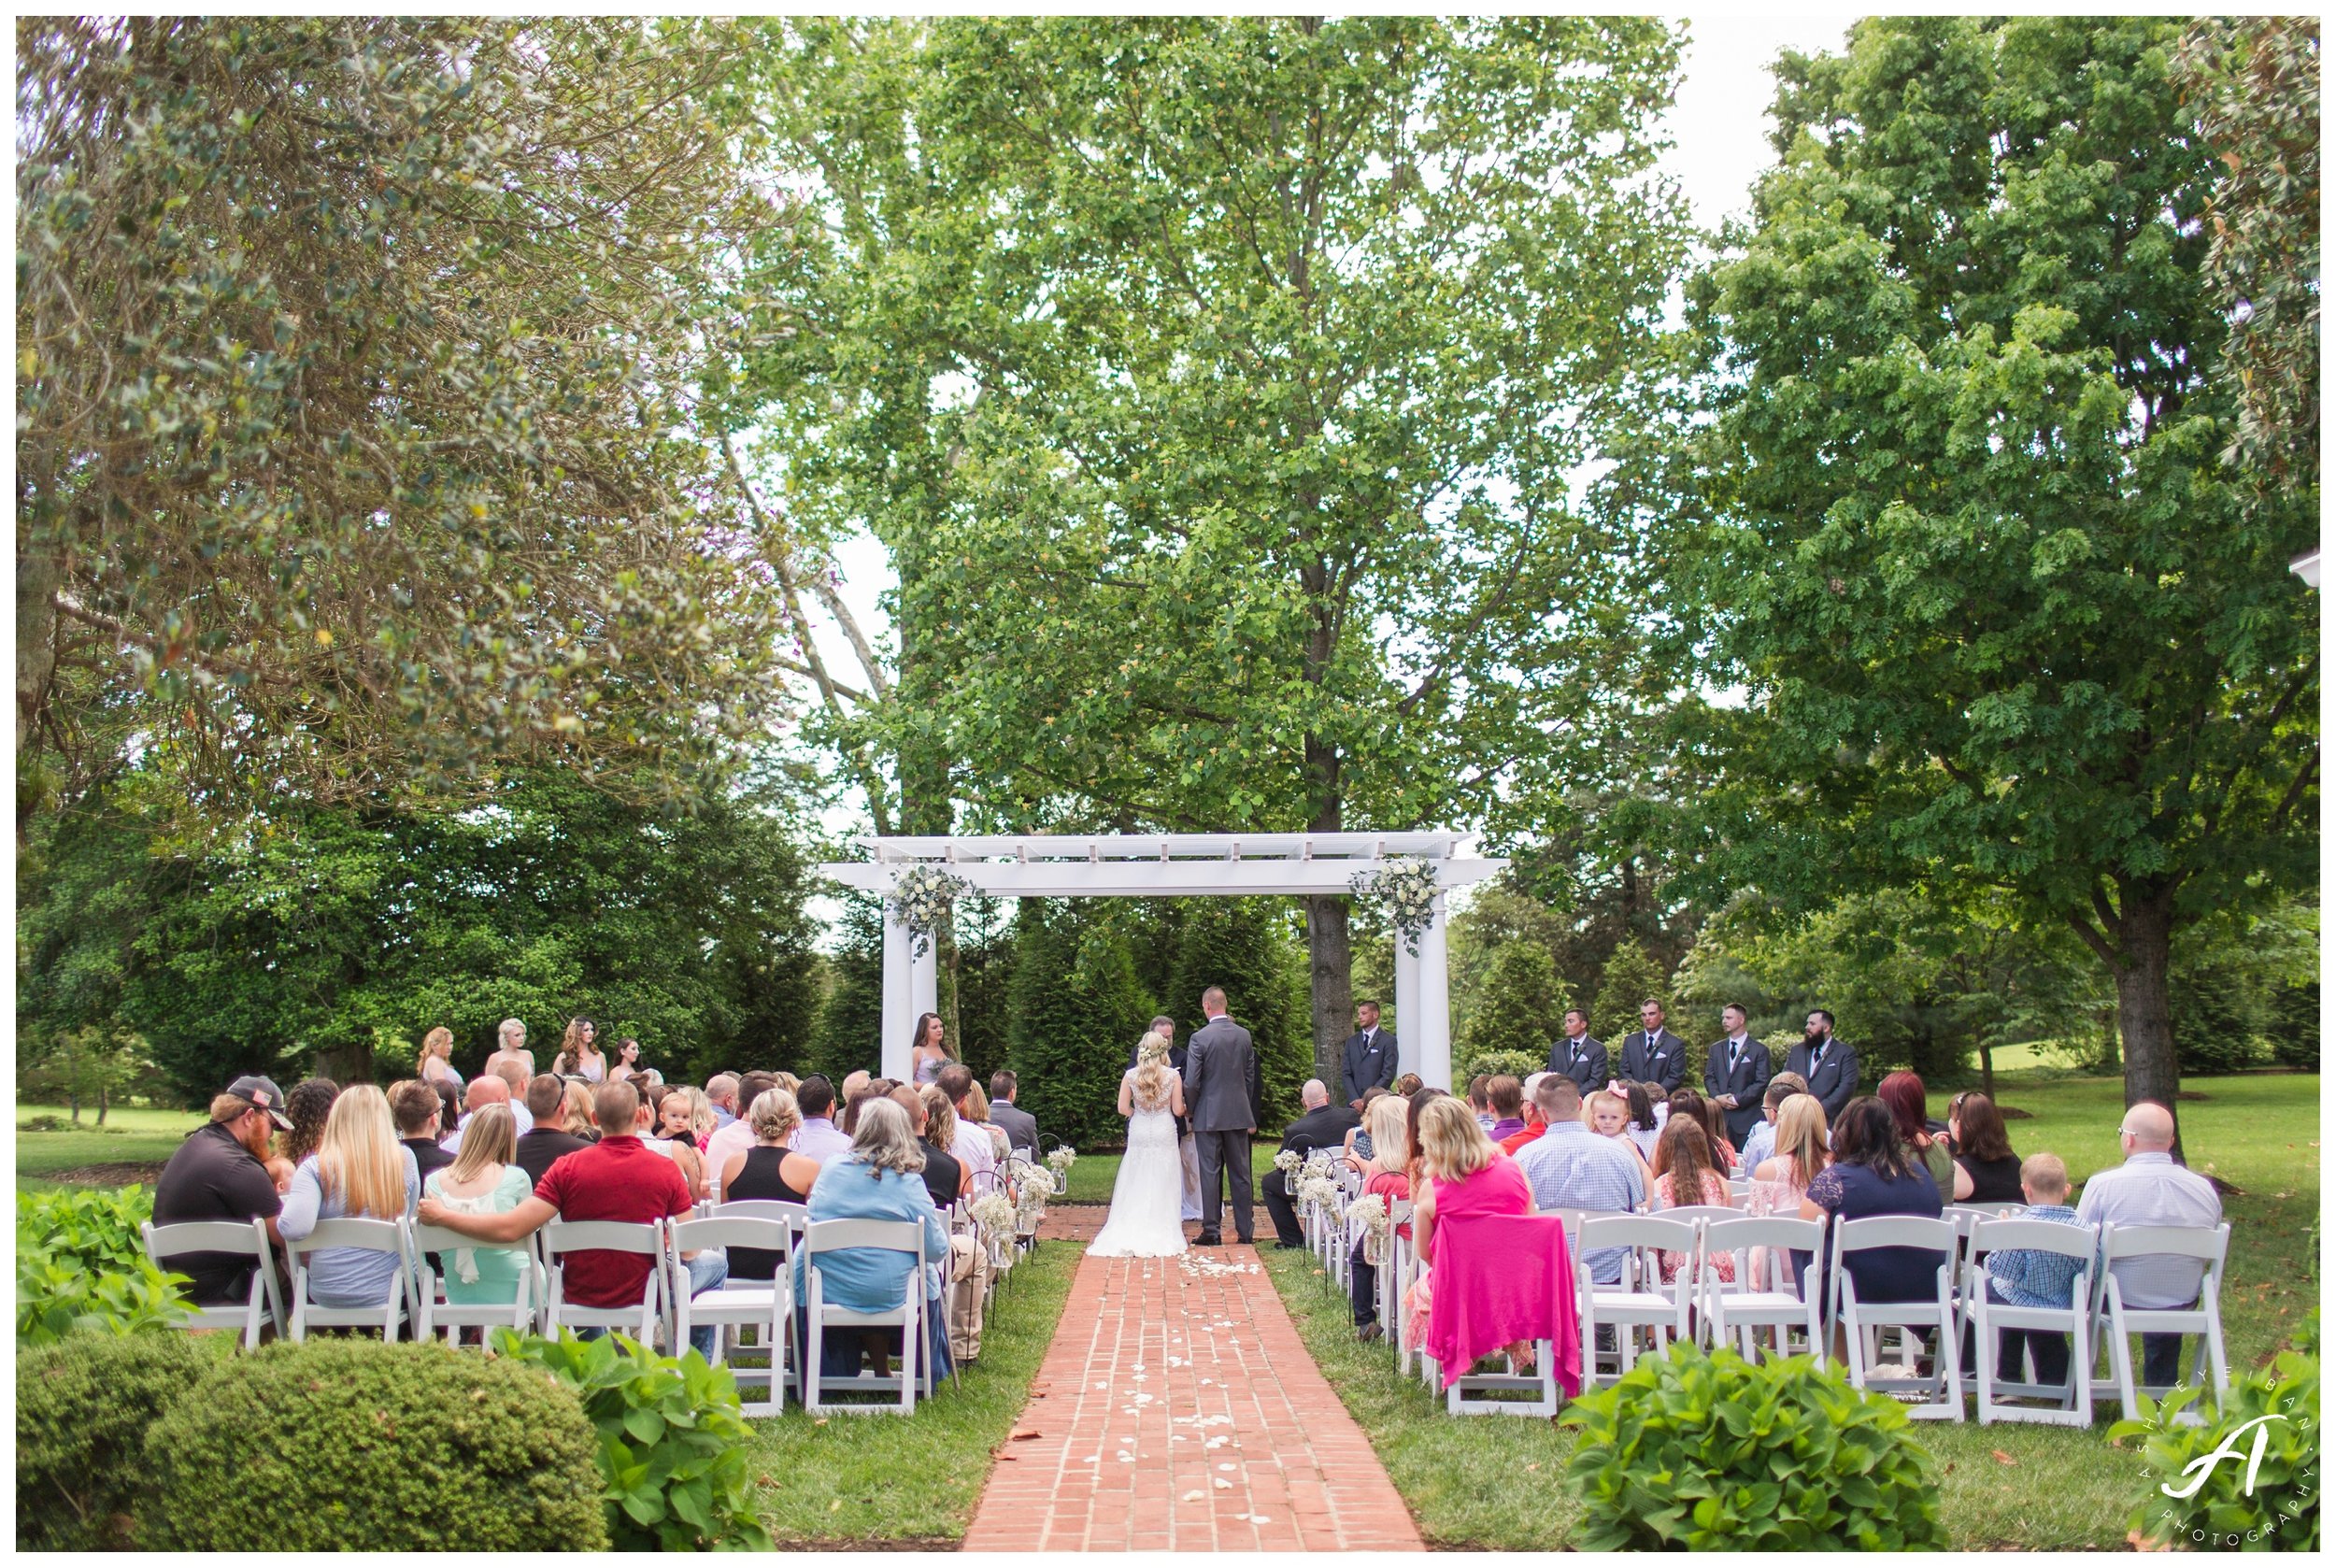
(1173, 865)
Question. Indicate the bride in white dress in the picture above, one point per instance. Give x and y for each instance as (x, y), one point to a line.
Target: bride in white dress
(1148, 1199)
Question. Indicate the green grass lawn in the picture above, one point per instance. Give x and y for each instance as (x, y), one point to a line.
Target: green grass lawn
(1092, 1175)
(131, 1137)
(847, 1481)
(1497, 1483)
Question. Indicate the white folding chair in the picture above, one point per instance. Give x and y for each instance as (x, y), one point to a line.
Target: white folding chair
(1641, 1299)
(562, 1236)
(889, 1236)
(389, 1314)
(1541, 1382)
(767, 1304)
(2120, 1323)
(246, 1238)
(431, 1313)
(1740, 1306)
(1987, 1317)
(1934, 1311)
(1398, 1266)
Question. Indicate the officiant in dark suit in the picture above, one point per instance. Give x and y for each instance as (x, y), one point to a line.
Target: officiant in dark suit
(1736, 1072)
(1578, 1056)
(1830, 1066)
(1368, 1061)
(1652, 1053)
(1222, 1091)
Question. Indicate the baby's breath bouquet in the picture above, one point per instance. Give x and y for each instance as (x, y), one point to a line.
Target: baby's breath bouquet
(1369, 1212)
(920, 898)
(1407, 889)
(1059, 1162)
(1289, 1162)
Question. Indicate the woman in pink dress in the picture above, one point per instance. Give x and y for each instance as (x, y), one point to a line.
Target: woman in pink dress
(1685, 1177)
(1462, 1173)
(1780, 1181)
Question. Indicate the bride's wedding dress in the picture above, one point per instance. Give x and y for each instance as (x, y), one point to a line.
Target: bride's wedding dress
(1147, 1219)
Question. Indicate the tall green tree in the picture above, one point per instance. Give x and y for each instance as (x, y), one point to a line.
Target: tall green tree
(1247, 946)
(1078, 1010)
(1520, 1006)
(1999, 615)
(1219, 386)
(353, 377)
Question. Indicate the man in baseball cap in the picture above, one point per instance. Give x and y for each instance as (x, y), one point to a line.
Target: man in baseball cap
(218, 1174)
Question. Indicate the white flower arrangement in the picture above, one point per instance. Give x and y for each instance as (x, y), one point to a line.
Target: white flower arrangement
(1369, 1212)
(920, 898)
(1406, 887)
(994, 1213)
(1289, 1162)
(1059, 1162)
(1319, 1190)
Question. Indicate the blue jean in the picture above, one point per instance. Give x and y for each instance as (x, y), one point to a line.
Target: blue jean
(706, 1270)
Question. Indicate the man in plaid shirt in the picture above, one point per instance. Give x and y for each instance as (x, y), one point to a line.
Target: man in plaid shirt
(2017, 1276)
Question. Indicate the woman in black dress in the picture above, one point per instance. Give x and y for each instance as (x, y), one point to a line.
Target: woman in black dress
(769, 1170)
(1986, 1169)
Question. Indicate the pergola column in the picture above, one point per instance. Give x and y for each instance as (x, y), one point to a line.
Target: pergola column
(1407, 1036)
(900, 1000)
(1433, 1029)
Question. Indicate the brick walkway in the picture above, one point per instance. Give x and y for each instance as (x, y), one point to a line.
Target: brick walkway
(1178, 1411)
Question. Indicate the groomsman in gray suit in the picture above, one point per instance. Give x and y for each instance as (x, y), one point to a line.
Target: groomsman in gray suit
(1830, 1066)
(1736, 1072)
(1578, 1056)
(1653, 1054)
(1223, 1089)
(1368, 1063)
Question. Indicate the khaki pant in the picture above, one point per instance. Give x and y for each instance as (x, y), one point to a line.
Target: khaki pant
(969, 1286)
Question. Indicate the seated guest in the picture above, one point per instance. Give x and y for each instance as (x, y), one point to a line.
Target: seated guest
(680, 1151)
(738, 1136)
(1572, 1167)
(575, 1118)
(2149, 1189)
(1480, 1100)
(1462, 1173)
(1902, 1092)
(1506, 1095)
(486, 1178)
(975, 1109)
(1761, 1141)
(818, 1136)
(1386, 1177)
(1687, 1176)
(770, 1171)
(1021, 1128)
(486, 1089)
(2023, 1276)
(881, 1178)
(1405, 1085)
(686, 1117)
(722, 1092)
(1707, 1115)
(1645, 1119)
(218, 1173)
(1356, 1148)
(308, 1104)
(1986, 1169)
(450, 1108)
(855, 1082)
(1323, 1125)
(1608, 1114)
(972, 1145)
(934, 1122)
(617, 1178)
(786, 1082)
(1535, 1124)
(414, 1107)
(1780, 1181)
(547, 1106)
(358, 1172)
(1875, 1172)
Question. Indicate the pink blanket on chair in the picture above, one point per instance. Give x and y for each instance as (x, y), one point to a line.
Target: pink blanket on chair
(1500, 1279)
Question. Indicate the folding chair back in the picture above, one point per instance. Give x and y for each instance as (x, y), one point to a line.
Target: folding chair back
(246, 1238)
(1989, 1317)
(564, 1236)
(826, 1236)
(432, 1314)
(368, 1235)
(767, 1305)
(2211, 1248)
(1934, 1311)
(1640, 1299)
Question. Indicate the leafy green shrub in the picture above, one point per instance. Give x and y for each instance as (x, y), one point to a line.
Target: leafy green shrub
(50, 1123)
(2236, 1502)
(83, 1411)
(81, 1264)
(352, 1445)
(1517, 1064)
(672, 1451)
(1694, 1452)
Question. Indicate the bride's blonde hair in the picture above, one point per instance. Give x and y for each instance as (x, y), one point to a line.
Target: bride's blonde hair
(1152, 1071)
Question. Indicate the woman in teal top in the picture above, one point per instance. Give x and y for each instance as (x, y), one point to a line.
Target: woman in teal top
(882, 1179)
(483, 1180)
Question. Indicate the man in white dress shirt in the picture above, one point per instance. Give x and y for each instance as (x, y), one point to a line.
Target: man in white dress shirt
(818, 1137)
(2149, 1189)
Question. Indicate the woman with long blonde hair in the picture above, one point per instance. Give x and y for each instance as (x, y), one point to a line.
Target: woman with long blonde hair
(1147, 1218)
(437, 1057)
(484, 1179)
(359, 1171)
(1387, 1175)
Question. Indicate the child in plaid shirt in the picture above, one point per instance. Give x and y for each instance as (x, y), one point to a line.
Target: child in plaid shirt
(2017, 1276)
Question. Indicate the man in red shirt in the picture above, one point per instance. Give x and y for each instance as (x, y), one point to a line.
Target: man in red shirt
(619, 1178)
(1535, 1125)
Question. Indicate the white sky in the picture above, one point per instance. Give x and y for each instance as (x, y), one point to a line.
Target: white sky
(1718, 128)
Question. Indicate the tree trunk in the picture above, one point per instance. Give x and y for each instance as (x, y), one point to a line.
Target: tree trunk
(102, 1098)
(1331, 959)
(2145, 933)
(1986, 1069)
(73, 1104)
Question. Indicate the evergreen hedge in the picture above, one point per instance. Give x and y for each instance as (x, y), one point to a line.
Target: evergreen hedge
(83, 1408)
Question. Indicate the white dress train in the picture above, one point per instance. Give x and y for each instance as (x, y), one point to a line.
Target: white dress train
(1147, 1199)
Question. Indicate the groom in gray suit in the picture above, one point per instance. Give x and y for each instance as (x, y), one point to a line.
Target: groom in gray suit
(1222, 1092)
